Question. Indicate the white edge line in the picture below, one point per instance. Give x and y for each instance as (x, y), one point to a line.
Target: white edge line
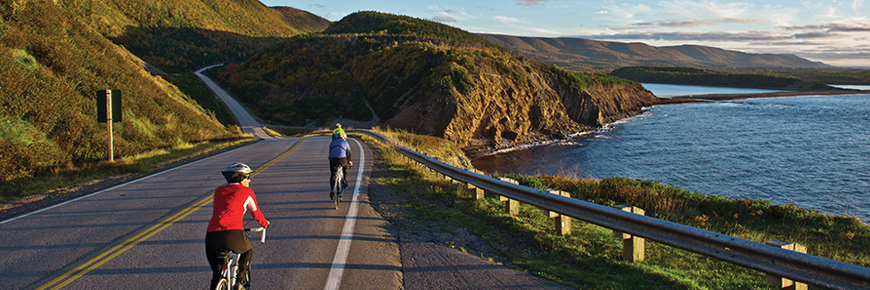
(343, 249)
(110, 188)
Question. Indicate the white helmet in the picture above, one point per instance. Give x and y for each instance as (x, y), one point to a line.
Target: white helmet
(237, 172)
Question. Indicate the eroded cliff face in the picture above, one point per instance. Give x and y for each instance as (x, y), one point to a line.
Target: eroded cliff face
(499, 111)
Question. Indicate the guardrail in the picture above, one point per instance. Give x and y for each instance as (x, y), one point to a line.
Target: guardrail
(772, 260)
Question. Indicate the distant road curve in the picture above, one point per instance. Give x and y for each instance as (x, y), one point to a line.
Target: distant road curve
(246, 122)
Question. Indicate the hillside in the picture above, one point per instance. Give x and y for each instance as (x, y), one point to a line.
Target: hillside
(706, 77)
(602, 56)
(427, 78)
(185, 35)
(52, 64)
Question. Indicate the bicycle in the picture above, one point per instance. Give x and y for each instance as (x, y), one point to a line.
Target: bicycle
(230, 266)
(336, 190)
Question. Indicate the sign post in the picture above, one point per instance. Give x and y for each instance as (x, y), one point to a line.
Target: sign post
(109, 110)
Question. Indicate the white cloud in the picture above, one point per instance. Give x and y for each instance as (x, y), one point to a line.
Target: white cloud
(451, 12)
(822, 10)
(443, 19)
(506, 19)
(856, 5)
(693, 9)
(691, 23)
(531, 2)
(626, 13)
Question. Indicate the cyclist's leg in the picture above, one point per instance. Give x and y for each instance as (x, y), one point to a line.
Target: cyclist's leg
(214, 242)
(238, 242)
(345, 168)
(333, 162)
(244, 274)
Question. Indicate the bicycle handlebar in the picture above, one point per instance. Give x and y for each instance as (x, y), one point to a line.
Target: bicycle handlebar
(260, 229)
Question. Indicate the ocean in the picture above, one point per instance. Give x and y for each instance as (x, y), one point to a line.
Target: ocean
(813, 151)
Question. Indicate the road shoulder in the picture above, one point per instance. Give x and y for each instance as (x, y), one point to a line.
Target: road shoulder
(442, 256)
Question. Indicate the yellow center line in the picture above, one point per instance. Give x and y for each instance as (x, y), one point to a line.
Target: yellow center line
(113, 252)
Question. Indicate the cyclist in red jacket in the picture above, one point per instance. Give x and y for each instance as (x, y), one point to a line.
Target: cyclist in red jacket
(226, 229)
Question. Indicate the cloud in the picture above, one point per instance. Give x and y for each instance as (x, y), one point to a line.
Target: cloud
(833, 27)
(716, 36)
(454, 13)
(691, 9)
(531, 2)
(443, 19)
(822, 10)
(626, 13)
(506, 19)
(692, 23)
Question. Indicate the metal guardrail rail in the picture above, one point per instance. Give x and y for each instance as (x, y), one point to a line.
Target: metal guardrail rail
(772, 260)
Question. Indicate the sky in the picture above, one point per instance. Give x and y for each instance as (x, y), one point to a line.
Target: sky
(835, 32)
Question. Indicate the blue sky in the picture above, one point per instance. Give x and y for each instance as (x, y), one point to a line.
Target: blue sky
(836, 32)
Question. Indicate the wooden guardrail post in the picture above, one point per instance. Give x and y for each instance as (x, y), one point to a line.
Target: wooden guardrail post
(780, 282)
(633, 248)
(510, 206)
(562, 222)
(476, 192)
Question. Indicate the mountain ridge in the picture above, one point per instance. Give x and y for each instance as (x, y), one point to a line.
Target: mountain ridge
(582, 54)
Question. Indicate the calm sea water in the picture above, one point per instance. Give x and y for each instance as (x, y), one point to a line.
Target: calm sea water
(666, 90)
(810, 151)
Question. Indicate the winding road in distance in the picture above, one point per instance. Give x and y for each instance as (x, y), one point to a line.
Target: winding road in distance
(148, 233)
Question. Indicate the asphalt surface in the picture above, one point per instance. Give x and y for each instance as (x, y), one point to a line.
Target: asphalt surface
(148, 233)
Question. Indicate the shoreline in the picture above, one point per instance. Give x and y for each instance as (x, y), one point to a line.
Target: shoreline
(674, 100)
(729, 97)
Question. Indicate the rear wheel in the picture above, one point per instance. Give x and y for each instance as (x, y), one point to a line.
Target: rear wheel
(222, 285)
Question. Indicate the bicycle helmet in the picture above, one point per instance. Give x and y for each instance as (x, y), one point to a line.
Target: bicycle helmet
(237, 172)
(343, 136)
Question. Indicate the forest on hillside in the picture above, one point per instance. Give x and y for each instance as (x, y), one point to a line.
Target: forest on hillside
(368, 56)
(185, 35)
(52, 64)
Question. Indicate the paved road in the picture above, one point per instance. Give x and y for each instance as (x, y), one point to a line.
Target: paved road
(246, 121)
(311, 245)
(148, 233)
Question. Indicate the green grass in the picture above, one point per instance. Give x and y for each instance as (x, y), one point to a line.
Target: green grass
(72, 175)
(434, 147)
(590, 258)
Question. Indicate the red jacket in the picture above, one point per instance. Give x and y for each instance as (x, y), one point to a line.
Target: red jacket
(231, 201)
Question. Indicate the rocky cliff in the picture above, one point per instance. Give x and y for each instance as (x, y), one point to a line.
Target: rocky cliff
(499, 111)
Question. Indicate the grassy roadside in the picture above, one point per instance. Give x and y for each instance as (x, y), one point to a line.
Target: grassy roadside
(141, 163)
(590, 258)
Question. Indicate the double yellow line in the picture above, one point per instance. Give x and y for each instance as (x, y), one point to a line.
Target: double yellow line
(110, 254)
